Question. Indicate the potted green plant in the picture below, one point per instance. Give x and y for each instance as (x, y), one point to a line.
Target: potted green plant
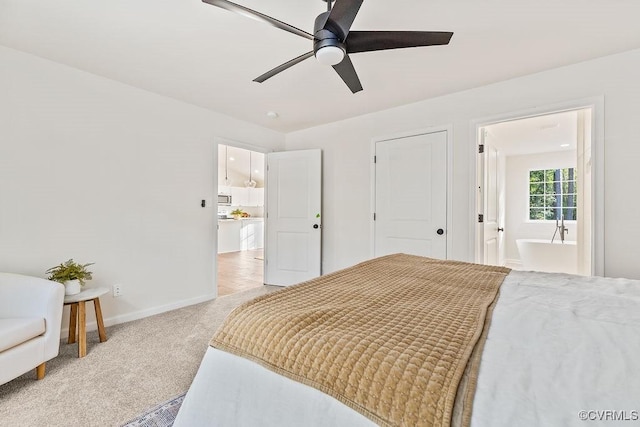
(71, 274)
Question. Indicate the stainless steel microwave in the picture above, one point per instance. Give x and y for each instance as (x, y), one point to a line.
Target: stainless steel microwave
(224, 199)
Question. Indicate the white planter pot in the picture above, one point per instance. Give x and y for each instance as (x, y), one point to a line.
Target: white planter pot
(72, 287)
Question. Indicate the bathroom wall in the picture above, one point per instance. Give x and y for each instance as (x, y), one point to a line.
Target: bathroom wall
(517, 224)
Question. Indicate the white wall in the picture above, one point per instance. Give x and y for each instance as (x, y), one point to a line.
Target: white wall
(107, 173)
(517, 224)
(346, 145)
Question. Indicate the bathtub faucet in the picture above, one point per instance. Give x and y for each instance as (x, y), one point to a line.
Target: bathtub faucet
(560, 227)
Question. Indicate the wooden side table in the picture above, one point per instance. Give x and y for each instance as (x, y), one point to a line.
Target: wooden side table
(78, 317)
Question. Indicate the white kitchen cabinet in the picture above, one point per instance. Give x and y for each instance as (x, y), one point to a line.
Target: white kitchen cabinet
(256, 196)
(239, 196)
(249, 197)
(240, 235)
(229, 232)
(252, 234)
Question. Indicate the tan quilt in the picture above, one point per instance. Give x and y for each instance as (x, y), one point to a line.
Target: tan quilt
(390, 337)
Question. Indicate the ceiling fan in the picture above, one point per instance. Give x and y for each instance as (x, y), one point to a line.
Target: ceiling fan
(333, 41)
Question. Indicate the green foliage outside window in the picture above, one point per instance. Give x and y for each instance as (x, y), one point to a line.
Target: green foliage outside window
(552, 193)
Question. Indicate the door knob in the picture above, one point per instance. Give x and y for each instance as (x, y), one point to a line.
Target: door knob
(440, 231)
(316, 226)
(500, 229)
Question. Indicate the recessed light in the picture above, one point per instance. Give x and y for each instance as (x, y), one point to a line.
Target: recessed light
(272, 114)
(564, 145)
(256, 171)
(231, 158)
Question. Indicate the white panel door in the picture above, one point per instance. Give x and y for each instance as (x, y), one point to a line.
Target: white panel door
(292, 247)
(493, 204)
(491, 211)
(411, 196)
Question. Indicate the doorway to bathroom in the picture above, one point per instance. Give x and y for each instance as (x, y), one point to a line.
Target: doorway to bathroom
(535, 192)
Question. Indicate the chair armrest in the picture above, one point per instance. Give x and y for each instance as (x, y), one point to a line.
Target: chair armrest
(26, 296)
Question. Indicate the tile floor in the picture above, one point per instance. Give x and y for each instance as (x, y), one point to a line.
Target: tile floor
(239, 271)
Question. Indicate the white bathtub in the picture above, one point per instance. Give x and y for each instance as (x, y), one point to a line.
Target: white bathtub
(542, 255)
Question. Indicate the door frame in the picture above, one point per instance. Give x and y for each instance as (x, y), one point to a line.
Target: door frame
(372, 178)
(217, 141)
(596, 104)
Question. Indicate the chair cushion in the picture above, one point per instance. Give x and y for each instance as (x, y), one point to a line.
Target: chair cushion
(16, 330)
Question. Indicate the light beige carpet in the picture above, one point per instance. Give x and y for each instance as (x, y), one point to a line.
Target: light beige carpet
(142, 363)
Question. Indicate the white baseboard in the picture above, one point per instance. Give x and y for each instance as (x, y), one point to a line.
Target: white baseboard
(123, 318)
(515, 264)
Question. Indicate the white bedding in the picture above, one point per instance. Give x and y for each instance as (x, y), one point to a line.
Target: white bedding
(558, 344)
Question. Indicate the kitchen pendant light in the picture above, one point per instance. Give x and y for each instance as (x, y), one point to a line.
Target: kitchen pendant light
(227, 182)
(250, 183)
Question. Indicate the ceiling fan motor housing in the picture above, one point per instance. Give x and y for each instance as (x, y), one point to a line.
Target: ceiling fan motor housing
(323, 37)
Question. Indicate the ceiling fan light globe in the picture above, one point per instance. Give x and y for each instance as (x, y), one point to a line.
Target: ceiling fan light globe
(330, 55)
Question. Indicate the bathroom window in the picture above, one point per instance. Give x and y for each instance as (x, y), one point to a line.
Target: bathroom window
(552, 193)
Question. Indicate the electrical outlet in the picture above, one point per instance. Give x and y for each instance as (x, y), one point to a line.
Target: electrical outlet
(117, 290)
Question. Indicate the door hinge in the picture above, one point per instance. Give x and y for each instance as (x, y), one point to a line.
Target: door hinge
(480, 218)
(481, 148)
(375, 158)
(374, 216)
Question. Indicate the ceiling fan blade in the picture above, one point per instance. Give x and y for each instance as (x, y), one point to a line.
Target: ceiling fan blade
(225, 4)
(342, 16)
(367, 41)
(283, 67)
(348, 74)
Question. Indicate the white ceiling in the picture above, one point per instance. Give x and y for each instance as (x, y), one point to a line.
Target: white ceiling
(207, 56)
(235, 163)
(541, 134)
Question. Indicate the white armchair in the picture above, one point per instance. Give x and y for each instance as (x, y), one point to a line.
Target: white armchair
(30, 322)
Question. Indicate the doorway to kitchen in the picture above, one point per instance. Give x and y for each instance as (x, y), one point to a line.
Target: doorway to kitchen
(241, 190)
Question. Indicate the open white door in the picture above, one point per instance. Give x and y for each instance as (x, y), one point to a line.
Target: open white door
(411, 196)
(493, 230)
(293, 223)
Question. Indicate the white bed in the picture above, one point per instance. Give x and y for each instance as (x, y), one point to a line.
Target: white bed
(558, 345)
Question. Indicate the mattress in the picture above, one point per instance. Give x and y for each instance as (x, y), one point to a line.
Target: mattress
(560, 349)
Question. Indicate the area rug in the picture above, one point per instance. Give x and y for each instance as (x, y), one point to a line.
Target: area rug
(162, 415)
